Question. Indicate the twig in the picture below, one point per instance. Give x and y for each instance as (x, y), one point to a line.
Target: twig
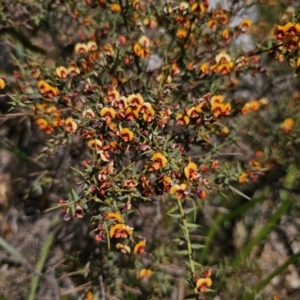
(77, 289)
(82, 271)
(56, 265)
(11, 116)
(239, 192)
(34, 113)
(131, 290)
(41, 174)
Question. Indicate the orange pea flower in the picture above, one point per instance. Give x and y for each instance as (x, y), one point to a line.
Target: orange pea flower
(220, 109)
(73, 69)
(291, 28)
(182, 119)
(120, 103)
(223, 65)
(245, 25)
(183, 21)
(179, 190)
(204, 68)
(41, 123)
(89, 296)
(113, 95)
(78, 211)
(253, 105)
(108, 113)
(120, 231)
(159, 161)
(279, 32)
(147, 111)
(141, 48)
(123, 248)
(226, 34)
(71, 125)
(114, 215)
(131, 113)
(216, 99)
(135, 100)
(220, 16)
(287, 125)
(140, 247)
(88, 113)
(115, 7)
(2, 84)
(181, 33)
(81, 48)
(167, 183)
(135, 4)
(175, 69)
(243, 177)
(92, 46)
(212, 23)
(61, 72)
(52, 92)
(145, 273)
(130, 183)
(190, 171)
(108, 50)
(203, 283)
(199, 7)
(194, 112)
(43, 86)
(126, 134)
(95, 144)
(183, 6)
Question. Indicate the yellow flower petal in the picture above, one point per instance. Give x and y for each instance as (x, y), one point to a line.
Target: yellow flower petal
(61, 72)
(145, 273)
(2, 83)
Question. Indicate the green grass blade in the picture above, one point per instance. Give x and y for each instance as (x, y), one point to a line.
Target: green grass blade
(41, 262)
(8, 248)
(265, 230)
(278, 271)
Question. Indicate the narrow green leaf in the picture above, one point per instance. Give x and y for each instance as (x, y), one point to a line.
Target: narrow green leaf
(176, 216)
(175, 208)
(166, 143)
(77, 171)
(197, 246)
(42, 260)
(8, 248)
(192, 225)
(107, 235)
(75, 196)
(291, 260)
(265, 230)
(182, 252)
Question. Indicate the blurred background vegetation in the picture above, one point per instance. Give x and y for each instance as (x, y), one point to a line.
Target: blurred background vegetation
(250, 231)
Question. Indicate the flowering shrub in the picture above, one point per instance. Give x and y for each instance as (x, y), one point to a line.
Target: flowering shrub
(150, 89)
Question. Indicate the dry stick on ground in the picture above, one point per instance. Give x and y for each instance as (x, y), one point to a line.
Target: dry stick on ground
(102, 292)
(131, 290)
(79, 272)
(76, 289)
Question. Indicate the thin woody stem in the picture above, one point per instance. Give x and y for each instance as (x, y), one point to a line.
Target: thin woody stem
(187, 235)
